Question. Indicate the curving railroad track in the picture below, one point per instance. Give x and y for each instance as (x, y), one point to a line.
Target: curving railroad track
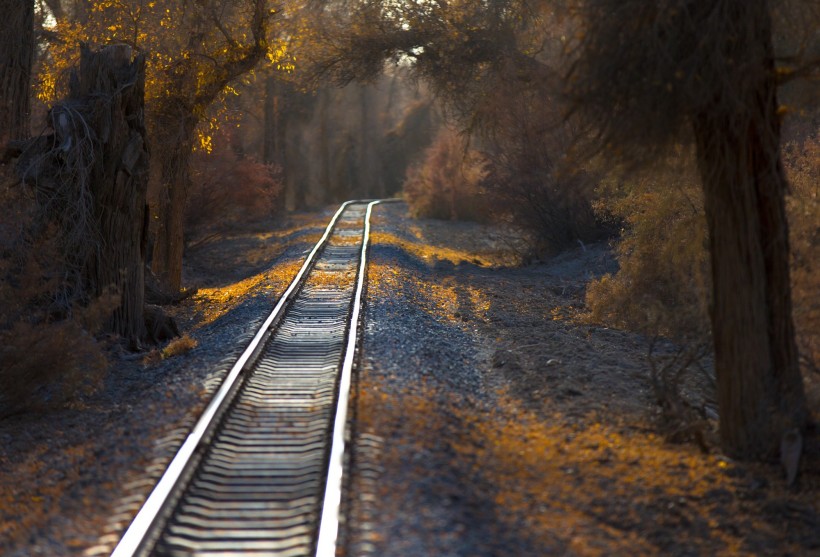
(261, 471)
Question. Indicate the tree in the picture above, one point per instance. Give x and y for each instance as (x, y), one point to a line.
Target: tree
(647, 75)
(214, 57)
(194, 51)
(90, 178)
(492, 66)
(17, 47)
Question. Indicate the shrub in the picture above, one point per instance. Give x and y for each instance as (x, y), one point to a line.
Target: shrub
(536, 190)
(663, 284)
(48, 353)
(447, 183)
(229, 189)
(515, 179)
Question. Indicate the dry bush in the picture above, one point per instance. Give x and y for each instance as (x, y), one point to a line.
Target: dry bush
(548, 200)
(229, 189)
(515, 173)
(47, 356)
(534, 183)
(45, 364)
(662, 289)
(663, 284)
(448, 182)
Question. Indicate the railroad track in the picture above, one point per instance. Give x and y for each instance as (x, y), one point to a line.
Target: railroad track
(261, 471)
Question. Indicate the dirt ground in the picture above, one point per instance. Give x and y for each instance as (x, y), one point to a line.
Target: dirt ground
(492, 417)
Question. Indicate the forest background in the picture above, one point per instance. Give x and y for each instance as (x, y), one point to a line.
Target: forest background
(484, 111)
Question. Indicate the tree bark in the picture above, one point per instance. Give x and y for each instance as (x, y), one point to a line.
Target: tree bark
(175, 181)
(115, 86)
(90, 178)
(760, 389)
(16, 60)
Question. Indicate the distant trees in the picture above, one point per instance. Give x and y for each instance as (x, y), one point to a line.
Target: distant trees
(493, 67)
(16, 60)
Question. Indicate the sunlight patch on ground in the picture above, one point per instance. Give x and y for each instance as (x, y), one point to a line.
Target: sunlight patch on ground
(448, 298)
(331, 280)
(430, 254)
(213, 303)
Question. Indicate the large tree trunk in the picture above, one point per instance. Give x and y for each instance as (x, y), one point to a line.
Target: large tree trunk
(16, 60)
(175, 178)
(91, 178)
(119, 178)
(760, 389)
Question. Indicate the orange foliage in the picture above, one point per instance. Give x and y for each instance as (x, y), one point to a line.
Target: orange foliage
(229, 189)
(663, 284)
(447, 184)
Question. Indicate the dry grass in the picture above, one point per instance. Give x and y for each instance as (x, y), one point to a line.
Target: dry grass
(175, 347)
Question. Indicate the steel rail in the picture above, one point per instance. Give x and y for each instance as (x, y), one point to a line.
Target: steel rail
(329, 523)
(134, 538)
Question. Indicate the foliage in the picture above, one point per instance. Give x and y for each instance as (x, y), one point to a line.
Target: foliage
(802, 164)
(663, 284)
(186, 45)
(492, 66)
(517, 175)
(447, 183)
(638, 71)
(461, 49)
(533, 182)
(229, 189)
